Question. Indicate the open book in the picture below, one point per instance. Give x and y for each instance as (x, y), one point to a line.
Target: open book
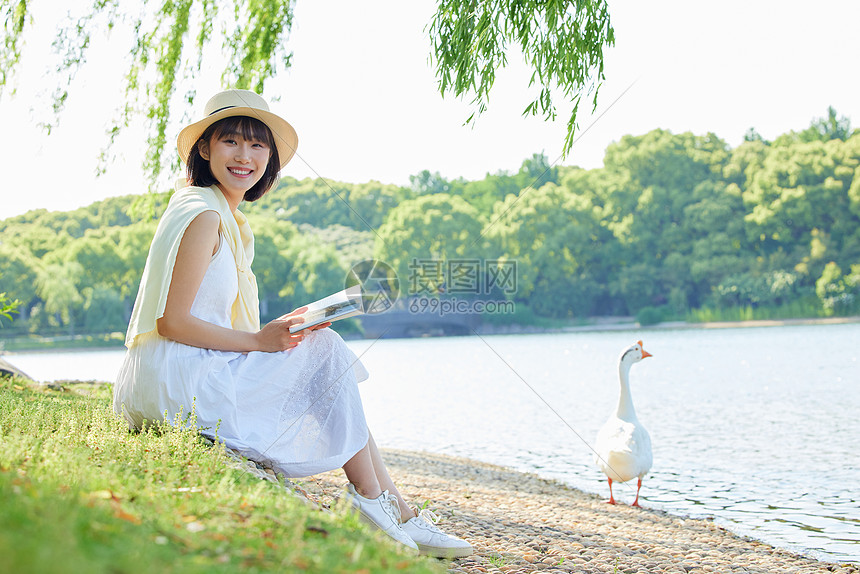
(343, 304)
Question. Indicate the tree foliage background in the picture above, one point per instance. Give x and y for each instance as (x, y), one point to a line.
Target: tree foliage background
(673, 226)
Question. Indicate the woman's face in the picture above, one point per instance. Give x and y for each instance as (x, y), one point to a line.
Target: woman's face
(237, 163)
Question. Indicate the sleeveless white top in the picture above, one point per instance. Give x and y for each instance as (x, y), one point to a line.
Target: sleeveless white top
(298, 410)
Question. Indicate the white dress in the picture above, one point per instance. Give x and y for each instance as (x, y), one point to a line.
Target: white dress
(297, 410)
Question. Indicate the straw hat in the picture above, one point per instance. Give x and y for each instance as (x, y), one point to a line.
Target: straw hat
(240, 103)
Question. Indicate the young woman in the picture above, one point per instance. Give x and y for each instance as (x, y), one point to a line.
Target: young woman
(195, 342)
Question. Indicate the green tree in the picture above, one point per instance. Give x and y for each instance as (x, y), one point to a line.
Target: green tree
(744, 161)
(652, 180)
(431, 230)
(838, 293)
(112, 211)
(316, 272)
(350, 245)
(103, 310)
(536, 171)
(483, 194)
(17, 278)
(714, 245)
(426, 183)
(799, 202)
(827, 128)
(34, 237)
(271, 265)
(555, 238)
(59, 287)
(97, 253)
(132, 246)
(371, 202)
(321, 203)
(752, 135)
(755, 289)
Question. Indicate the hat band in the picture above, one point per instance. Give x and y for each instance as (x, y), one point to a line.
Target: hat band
(221, 110)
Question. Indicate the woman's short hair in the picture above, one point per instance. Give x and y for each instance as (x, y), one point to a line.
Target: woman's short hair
(198, 172)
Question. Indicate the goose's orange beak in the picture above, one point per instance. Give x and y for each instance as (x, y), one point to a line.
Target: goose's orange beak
(644, 352)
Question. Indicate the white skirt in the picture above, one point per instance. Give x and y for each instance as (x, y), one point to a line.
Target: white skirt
(298, 410)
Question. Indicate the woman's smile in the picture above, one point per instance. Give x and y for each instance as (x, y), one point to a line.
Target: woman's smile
(237, 163)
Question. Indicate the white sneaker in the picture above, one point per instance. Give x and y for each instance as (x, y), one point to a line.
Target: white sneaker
(433, 542)
(381, 512)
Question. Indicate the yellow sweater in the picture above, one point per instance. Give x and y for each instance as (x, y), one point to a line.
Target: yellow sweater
(186, 204)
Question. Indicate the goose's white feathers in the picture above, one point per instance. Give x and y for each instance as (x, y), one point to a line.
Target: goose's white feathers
(624, 450)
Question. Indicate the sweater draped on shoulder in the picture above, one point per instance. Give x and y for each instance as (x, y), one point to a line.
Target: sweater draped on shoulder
(185, 205)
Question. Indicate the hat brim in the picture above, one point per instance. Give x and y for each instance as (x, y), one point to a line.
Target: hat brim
(286, 139)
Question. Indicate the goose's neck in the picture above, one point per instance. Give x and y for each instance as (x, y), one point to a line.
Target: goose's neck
(625, 400)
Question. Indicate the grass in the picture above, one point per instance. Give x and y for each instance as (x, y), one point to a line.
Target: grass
(83, 494)
(801, 309)
(37, 342)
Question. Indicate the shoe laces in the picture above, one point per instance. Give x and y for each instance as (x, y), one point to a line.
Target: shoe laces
(390, 506)
(428, 520)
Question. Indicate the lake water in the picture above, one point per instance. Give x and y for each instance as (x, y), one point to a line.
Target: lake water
(756, 427)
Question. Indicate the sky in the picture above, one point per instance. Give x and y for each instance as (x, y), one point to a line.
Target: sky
(362, 94)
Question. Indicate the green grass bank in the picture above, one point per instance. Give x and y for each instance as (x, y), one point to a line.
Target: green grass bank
(83, 494)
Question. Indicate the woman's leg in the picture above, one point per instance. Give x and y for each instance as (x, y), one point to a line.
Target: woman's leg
(367, 497)
(360, 471)
(384, 479)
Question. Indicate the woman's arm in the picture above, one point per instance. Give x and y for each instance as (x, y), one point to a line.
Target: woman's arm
(195, 252)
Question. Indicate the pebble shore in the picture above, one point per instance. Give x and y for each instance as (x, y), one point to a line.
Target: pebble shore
(521, 523)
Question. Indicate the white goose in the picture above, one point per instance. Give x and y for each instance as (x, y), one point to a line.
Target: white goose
(623, 447)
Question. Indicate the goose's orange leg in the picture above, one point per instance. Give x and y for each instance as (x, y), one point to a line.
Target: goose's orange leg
(611, 498)
(638, 486)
